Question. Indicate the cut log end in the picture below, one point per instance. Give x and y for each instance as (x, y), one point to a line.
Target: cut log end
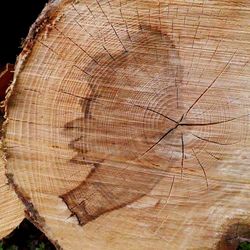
(129, 122)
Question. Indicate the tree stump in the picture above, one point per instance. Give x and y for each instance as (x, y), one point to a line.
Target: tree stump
(128, 124)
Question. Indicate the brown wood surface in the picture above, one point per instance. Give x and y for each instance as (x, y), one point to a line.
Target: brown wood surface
(128, 124)
(11, 208)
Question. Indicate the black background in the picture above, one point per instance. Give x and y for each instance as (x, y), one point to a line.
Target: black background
(16, 17)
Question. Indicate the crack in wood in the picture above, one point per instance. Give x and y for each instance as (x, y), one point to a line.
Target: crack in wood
(211, 84)
(110, 187)
(125, 127)
(163, 136)
(202, 167)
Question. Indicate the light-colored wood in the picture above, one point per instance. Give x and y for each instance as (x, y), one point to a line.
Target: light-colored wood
(128, 124)
(11, 208)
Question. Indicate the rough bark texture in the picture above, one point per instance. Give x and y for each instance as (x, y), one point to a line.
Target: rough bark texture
(128, 124)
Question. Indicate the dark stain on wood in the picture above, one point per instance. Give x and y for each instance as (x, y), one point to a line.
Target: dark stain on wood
(235, 234)
(118, 176)
(136, 118)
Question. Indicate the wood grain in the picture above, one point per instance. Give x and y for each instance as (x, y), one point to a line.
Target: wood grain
(11, 208)
(128, 123)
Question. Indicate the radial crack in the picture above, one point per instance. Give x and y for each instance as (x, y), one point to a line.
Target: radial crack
(168, 198)
(183, 154)
(111, 26)
(215, 157)
(203, 169)
(156, 112)
(168, 132)
(213, 123)
(156, 143)
(210, 141)
(211, 84)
